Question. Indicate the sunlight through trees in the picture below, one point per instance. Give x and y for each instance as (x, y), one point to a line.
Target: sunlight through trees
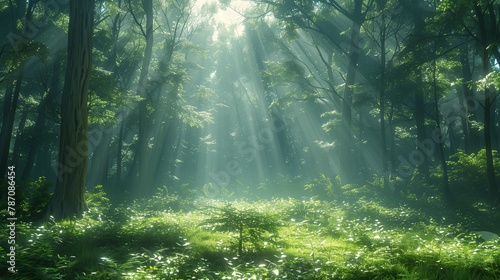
(371, 108)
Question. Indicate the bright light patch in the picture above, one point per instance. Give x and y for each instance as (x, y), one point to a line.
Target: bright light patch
(230, 18)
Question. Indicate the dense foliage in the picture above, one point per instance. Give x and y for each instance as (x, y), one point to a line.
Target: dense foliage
(358, 237)
(250, 139)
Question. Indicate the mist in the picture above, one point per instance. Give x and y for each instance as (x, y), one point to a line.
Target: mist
(250, 139)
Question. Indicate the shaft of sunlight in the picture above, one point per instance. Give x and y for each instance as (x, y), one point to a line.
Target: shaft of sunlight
(226, 17)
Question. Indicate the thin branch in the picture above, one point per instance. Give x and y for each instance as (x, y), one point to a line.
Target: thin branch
(135, 18)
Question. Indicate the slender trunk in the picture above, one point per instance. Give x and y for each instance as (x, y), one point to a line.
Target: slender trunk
(8, 123)
(240, 240)
(471, 135)
(116, 28)
(20, 138)
(68, 200)
(419, 114)
(392, 137)
(142, 145)
(119, 153)
(383, 140)
(419, 155)
(490, 168)
(7, 104)
(452, 135)
(38, 133)
(346, 150)
(444, 165)
(99, 166)
(488, 125)
(494, 129)
(12, 92)
(162, 147)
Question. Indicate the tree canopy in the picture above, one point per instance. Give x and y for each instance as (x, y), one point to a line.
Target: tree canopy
(223, 95)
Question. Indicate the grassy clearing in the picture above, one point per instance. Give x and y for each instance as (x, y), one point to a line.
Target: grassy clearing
(356, 239)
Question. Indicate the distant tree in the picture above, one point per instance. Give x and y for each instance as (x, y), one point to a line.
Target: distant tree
(414, 55)
(486, 15)
(478, 21)
(38, 134)
(142, 87)
(68, 200)
(386, 28)
(316, 17)
(21, 51)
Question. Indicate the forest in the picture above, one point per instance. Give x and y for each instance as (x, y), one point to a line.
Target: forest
(250, 139)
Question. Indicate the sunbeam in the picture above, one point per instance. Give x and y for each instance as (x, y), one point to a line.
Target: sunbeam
(250, 139)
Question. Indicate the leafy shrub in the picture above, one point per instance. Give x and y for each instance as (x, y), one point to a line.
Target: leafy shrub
(324, 186)
(248, 225)
(333, 188)
(97, 202)
(32, 197)
(365, 239)
(467, 174)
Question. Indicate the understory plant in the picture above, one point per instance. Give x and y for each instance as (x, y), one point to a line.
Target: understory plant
(250, 226)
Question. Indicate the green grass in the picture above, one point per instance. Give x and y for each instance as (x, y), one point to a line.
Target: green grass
(360, 239)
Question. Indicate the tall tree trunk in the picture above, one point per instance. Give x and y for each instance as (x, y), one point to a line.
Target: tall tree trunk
(485, 41)
(68, 200)
(494, 130)
(99, 164)
(13, 89)
(346, 150)
(10, 106)
(444, 166)
(419, 114)
(38, 132)
(142, 145)
(167, 151)
(112, 62)
(490, 168)
(383, 135)
(392, 138)
(99, 167)
(471, 137)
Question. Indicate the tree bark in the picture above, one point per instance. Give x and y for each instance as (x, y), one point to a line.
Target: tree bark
(444, 166)
(485, 41)
(142, 145)
(490, 168)
(383, 135)
(10, 107)
(99, 164)
(346, 149)
(11, 98)
(419, 114)
(469, 146)
(68, 200)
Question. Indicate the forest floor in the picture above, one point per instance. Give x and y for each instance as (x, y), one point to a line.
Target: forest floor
(166, 237)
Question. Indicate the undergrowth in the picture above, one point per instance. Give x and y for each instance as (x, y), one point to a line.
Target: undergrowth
(165, 237)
